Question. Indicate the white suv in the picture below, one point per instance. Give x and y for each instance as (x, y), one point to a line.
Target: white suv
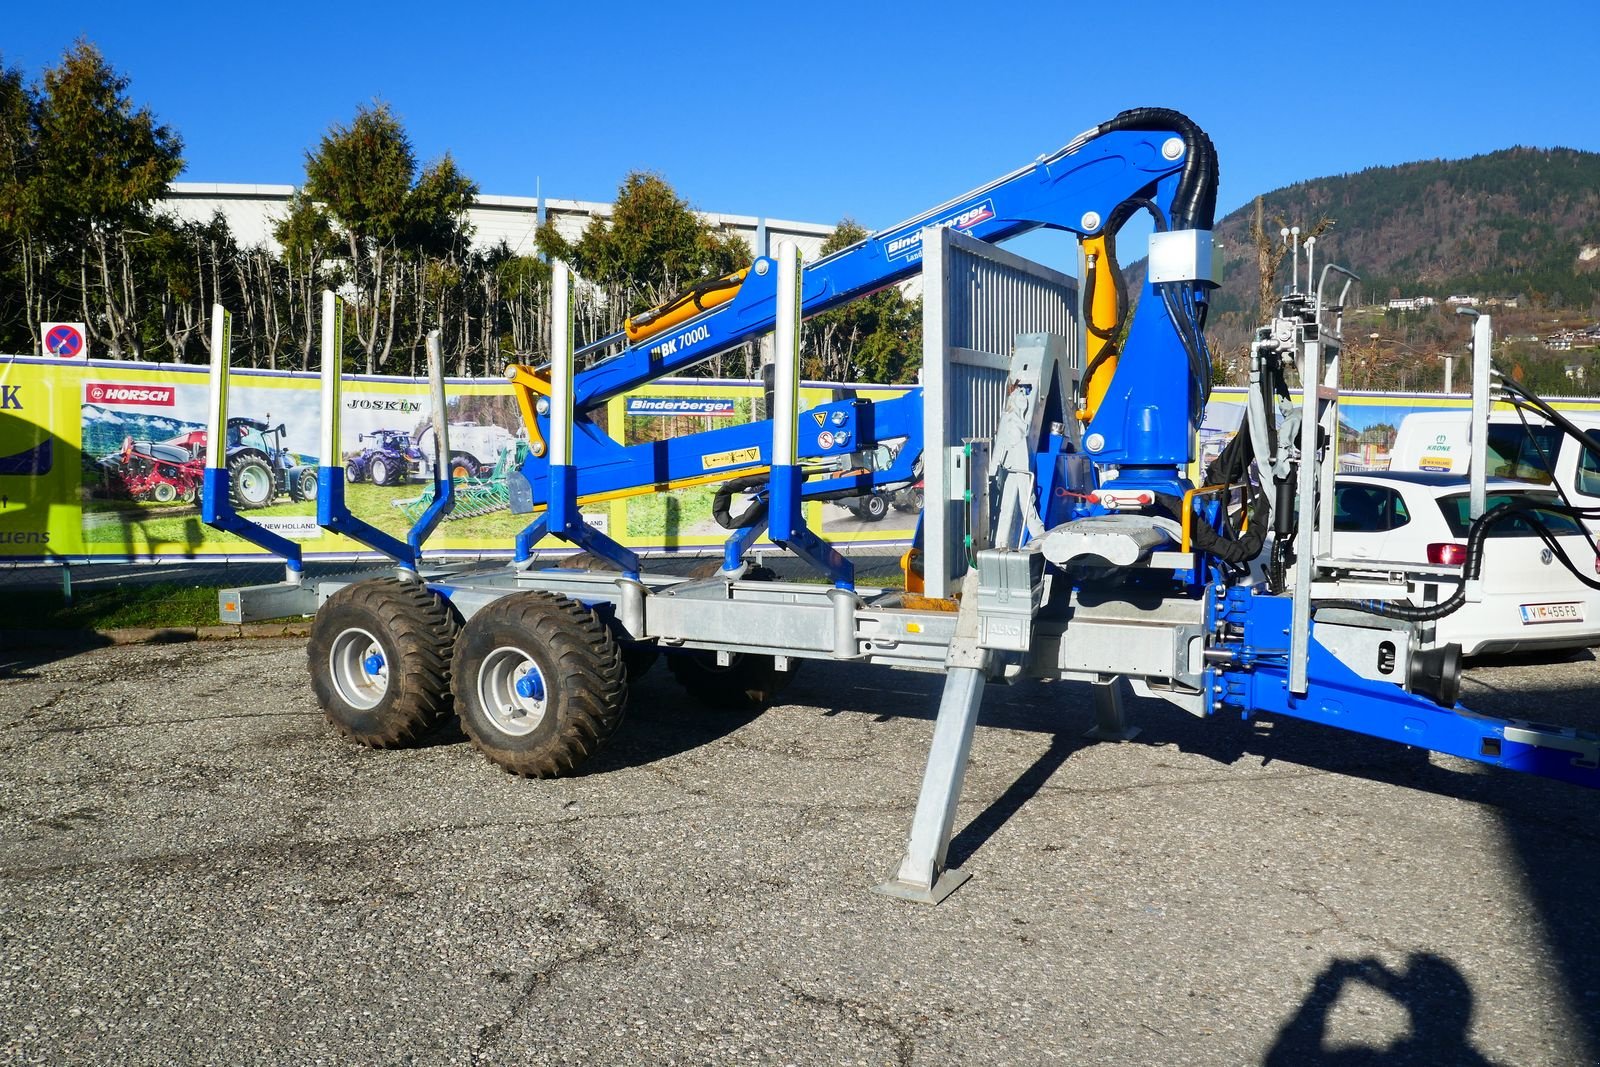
(1530, 600)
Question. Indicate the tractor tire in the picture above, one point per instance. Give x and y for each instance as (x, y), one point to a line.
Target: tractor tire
(303, 486)
(637, 656)
(382, 472)
(250, 482)
(874, 507)
(379, 656)
(462, 466)
(540, 684)
(584, 561)
(352, 472)
(908, 500)
(748, 683)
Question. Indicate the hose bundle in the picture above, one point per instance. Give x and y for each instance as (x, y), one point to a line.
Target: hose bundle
(1520, 397)
(1473, 567)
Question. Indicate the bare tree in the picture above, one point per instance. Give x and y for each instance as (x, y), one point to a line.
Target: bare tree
(1271, 250)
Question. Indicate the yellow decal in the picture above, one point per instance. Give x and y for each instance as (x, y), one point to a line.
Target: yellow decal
(737, 457)
(821, 417)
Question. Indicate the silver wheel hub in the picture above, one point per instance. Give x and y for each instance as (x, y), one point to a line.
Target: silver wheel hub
(512, 692)
(359, 669)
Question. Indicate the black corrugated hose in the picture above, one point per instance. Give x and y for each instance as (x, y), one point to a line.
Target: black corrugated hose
(1195, 205)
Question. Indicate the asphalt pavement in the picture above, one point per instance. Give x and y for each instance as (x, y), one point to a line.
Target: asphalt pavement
(197, 870)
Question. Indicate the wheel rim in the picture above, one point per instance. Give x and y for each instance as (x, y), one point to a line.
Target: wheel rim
(164, 492)
(359, 669)
(254, 483)
(308, 486)
(511, 691)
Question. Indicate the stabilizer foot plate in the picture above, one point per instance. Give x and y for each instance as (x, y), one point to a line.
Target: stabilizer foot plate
(947, 883)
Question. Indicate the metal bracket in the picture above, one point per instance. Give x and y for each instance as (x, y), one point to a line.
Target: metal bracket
(1110, 716)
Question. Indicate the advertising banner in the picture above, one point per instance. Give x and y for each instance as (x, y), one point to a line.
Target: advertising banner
(103, 460)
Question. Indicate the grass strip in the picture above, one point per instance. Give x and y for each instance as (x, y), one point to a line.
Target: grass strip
(111, 607)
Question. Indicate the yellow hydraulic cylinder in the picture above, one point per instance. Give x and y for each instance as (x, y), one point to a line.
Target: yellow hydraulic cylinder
(1103, 314)
(684, 307)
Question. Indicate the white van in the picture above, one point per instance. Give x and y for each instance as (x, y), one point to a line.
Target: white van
(1437, 442)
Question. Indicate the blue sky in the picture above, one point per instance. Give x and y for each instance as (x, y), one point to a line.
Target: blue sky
(816, 111)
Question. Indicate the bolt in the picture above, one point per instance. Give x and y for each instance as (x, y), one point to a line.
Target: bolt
(1172, 148)
(761, 266)
(1094, 442)
(1091, 221)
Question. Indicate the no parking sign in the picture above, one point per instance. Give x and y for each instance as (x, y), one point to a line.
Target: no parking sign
(65, 340)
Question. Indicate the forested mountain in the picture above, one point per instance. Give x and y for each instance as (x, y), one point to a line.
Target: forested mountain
(1522, 222)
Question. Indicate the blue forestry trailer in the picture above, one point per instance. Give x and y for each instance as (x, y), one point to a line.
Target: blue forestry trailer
(1061, 535)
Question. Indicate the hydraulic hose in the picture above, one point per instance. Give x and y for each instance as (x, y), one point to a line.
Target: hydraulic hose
(1549, 465)
(1112, 269)
(1195, 205)
(722, 503)
(1523, 394)
(1231, 467)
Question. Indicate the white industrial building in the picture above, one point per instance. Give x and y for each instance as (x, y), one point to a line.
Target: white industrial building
(253, 210)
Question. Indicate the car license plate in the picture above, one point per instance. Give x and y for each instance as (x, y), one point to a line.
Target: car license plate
(1532, 613)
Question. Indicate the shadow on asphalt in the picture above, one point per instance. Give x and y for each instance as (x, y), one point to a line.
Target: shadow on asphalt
(663, 721)
(1551, 828)
(18, 660)
(1431, 989)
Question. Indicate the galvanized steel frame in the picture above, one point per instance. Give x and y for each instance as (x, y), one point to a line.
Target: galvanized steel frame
(976, 299)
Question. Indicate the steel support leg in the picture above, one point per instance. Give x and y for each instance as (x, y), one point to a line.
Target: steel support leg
(921, 875)
(1110, 716)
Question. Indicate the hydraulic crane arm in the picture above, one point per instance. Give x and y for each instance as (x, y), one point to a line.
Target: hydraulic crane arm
(1145, 154)
(1141, 414)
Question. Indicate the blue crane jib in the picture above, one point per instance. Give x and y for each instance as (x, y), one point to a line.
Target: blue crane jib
(1146, 412)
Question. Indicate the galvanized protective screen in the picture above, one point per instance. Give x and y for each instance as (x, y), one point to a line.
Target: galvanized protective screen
(976, 299)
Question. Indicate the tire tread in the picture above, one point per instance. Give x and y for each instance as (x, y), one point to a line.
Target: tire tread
(591, 673)
(425, 630)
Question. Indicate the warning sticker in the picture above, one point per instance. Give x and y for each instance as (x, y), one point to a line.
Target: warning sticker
(738, 457)
(821, 417)
(825, 439)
